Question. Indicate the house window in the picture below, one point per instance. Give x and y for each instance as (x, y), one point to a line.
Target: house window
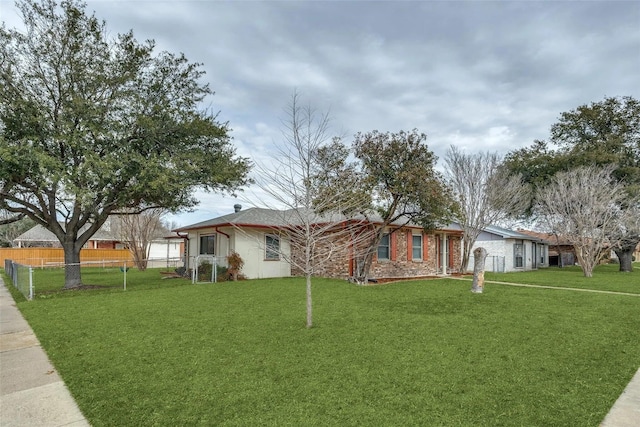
(272, 247)
(541, 252)
(383, 247)
(208, 244)
(518, 254)
(416, 243)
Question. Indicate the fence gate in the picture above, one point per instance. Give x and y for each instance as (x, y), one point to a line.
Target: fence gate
(204, 269)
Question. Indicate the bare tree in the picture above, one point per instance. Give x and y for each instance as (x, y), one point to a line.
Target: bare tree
(583, 206)
(137, 231)
(486, 192)
(312, 221)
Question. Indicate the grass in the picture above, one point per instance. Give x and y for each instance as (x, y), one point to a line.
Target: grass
(51, 280)
(605, 277)
(413, 353)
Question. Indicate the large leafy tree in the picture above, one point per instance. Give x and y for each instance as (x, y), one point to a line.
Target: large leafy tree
(599, 134)
(92, 125)
(395, 175)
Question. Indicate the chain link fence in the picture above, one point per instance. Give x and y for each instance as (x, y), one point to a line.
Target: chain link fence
(21, 277)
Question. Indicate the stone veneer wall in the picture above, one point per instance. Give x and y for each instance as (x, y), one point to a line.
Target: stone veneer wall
(457, 253)
(401, 267)
(338, 267)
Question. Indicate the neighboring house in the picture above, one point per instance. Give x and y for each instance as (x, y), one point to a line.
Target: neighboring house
(509, 250)
(160, 250)
(255, 234)
(561, 252)
(167, 251)
(40, 237)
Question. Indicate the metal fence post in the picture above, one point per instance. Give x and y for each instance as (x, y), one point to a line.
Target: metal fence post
(30, 283)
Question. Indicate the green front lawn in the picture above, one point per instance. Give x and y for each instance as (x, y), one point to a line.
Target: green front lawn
(413, 353)
(605, 277)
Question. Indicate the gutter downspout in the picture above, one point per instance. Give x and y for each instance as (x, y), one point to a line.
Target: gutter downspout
(223, 233)
(228, 240)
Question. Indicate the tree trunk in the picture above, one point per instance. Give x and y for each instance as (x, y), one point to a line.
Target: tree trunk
(479, 256)
(585, 262)
(309, 302)
(560, 264)
(365, 266)
(466, 255)
(139, 256)
(362, 272)
(625, 256)
(72, 277)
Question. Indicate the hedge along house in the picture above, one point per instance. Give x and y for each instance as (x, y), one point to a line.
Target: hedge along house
(259, 236)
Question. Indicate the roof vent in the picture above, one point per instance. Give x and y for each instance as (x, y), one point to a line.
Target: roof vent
(237, 208)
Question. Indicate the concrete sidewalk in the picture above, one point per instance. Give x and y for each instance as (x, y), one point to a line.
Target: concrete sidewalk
(31, 391)
(626, 411)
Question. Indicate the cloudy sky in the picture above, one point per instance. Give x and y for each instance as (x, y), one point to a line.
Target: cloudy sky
(482, 75)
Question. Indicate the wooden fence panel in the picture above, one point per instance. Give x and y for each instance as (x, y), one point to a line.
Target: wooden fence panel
(43, 257)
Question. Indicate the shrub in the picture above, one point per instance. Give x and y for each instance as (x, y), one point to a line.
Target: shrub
(222, 273)
(204, 271)
(235, 266)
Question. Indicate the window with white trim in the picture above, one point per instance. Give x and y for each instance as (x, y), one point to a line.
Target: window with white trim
(384, 248)
(208, 244)
(272, 247)
(416, 247)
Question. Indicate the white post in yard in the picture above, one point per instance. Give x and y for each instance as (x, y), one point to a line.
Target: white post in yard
(30, 283)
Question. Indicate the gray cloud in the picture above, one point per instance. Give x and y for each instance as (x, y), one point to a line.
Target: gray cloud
(490, 75)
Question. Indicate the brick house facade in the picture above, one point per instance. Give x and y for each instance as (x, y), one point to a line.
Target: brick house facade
(405, 252)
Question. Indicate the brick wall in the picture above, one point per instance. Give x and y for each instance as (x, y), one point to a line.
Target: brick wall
(337, 266)
(400, 264)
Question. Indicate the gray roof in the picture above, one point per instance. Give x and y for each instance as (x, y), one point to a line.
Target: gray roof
(37, 234)
(253, 216)
(260, 217)
(509, 234)
(40, 234)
